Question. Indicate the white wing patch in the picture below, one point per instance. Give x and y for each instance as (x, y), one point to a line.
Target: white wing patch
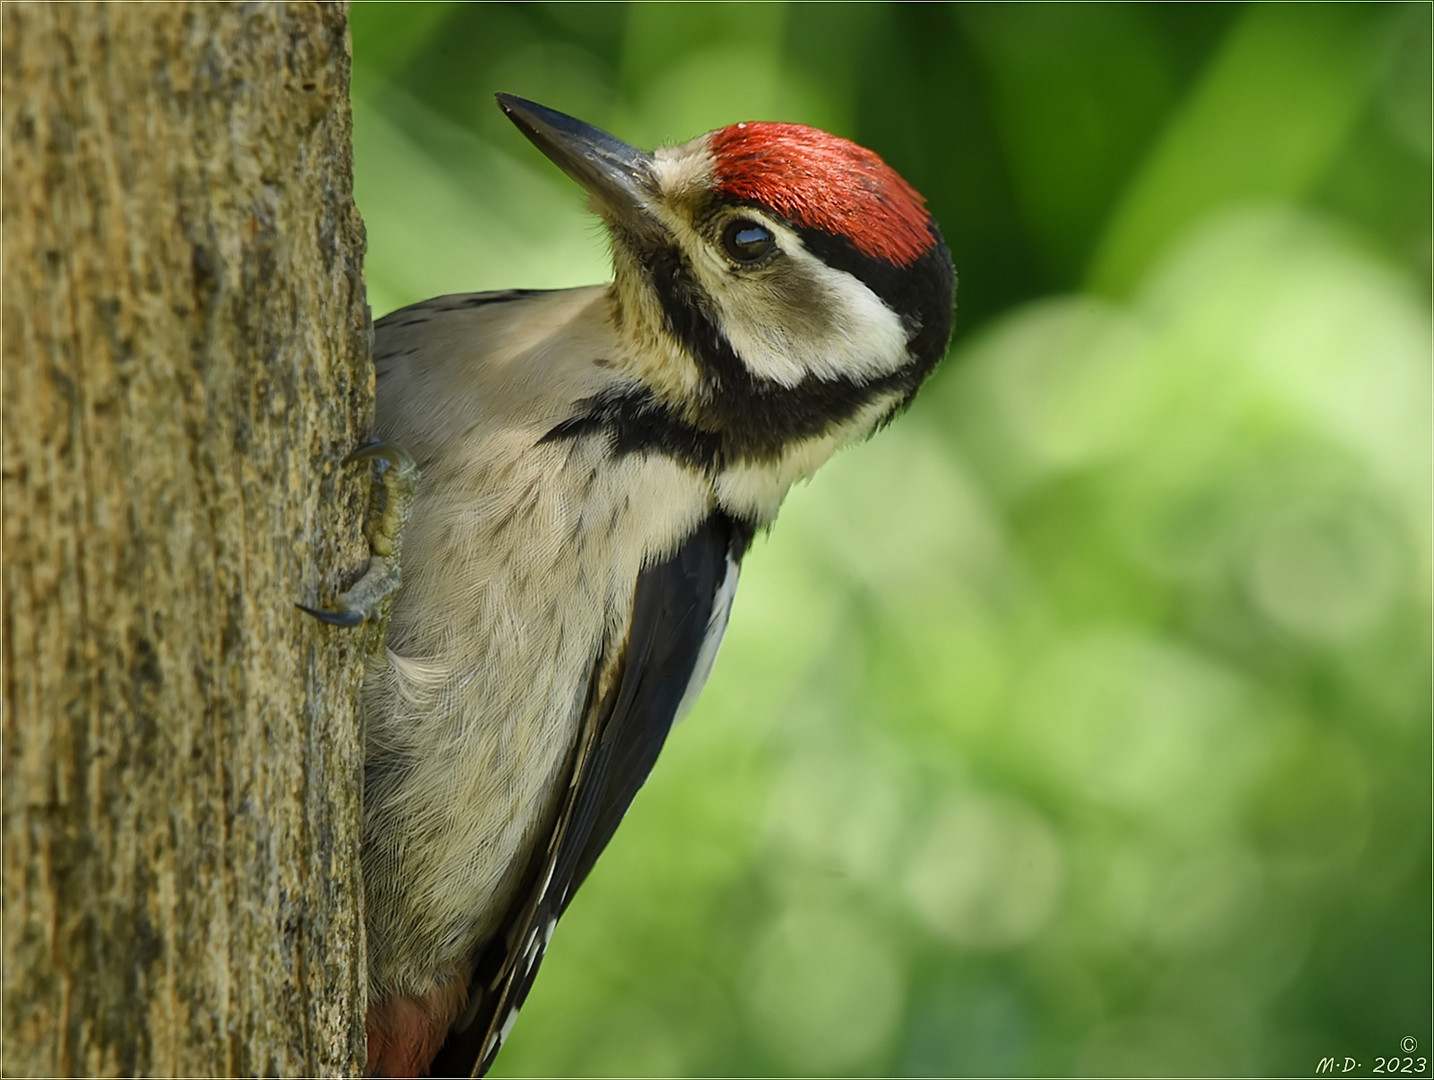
(712, 640)
(533, 950)
(507, 1026)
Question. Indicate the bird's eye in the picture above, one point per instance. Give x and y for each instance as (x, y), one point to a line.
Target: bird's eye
(746, 241)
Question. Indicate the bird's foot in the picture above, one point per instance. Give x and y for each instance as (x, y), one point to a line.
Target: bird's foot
(371, 594)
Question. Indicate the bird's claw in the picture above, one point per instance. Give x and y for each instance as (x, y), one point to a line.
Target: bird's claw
(371, 594)
(346, 617)
(388, 453)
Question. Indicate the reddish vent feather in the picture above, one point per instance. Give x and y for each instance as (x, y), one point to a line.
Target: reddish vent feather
(823, 182)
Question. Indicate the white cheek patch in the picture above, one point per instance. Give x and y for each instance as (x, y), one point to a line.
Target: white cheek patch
(847, 332)
(795, 319)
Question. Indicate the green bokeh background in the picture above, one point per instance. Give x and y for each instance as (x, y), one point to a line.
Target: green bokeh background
(1080, 722)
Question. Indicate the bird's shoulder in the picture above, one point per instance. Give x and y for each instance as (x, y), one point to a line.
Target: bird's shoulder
(489, 362)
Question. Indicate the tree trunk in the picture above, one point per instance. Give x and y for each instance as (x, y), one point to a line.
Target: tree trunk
(185, 364)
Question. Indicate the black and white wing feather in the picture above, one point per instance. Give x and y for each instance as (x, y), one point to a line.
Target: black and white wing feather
(680, 609)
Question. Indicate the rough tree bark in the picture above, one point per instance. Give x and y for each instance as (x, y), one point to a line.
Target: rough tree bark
(185, 363)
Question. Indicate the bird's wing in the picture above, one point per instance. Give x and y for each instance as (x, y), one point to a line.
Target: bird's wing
(679, 612)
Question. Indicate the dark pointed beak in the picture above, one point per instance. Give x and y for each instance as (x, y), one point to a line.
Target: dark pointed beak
(616, 174)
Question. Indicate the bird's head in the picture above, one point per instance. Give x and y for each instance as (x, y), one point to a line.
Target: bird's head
(778, 283)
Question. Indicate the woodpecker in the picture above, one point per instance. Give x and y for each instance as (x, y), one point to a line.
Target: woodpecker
(594, 463)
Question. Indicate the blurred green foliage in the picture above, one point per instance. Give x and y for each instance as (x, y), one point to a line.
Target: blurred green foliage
(1080, 723)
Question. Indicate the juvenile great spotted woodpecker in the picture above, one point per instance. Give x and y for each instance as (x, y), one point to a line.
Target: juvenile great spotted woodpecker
(594, 464)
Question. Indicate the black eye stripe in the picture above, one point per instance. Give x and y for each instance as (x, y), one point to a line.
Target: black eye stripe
(747, 241)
